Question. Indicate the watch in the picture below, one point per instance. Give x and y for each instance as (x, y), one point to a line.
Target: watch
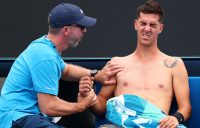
(179, 117)
(93, 72)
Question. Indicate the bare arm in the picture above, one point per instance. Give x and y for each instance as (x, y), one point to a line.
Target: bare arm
(181, 89)
(106, 92)
(74, 72)
(53, 106)
(182, 94)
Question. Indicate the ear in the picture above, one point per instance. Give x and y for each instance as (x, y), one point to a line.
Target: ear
(135, 24)
(161, 27)
(65, 30)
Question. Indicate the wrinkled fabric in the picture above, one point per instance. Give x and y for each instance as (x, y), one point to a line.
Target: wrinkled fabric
(131, 111)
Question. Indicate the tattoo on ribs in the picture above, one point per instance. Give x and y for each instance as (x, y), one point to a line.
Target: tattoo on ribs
(170, 65)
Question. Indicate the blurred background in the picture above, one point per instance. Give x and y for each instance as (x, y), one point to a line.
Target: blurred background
(25, 20)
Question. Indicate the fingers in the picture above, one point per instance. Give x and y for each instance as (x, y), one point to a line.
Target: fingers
(112, 67)
(109, 70)
(85, 85)
(111, 63)
(92, 98)
(111, 81)
(114, 71)
(86, 82)
(169, 122)
(89, 100)
(94, 101)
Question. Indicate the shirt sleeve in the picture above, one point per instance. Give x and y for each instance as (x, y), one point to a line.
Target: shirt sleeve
(63, 65)
(45, 76)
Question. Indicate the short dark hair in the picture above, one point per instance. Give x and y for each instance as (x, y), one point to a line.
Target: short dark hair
(151, 7)
(53, 30)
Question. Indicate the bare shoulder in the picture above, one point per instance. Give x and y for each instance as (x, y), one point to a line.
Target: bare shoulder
(116, 58)
(173, 62)
(176, 65)
(119, 59)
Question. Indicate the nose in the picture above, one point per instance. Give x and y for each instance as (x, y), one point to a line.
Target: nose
(147, 28)
(84, 30)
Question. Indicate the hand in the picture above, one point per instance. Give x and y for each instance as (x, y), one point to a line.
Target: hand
(169, 122)
(87, 101)
(94, 100)
(109, 70)
(85, 85)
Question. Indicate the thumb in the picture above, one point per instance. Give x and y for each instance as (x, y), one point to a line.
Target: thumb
(110, 82)
(92, 78)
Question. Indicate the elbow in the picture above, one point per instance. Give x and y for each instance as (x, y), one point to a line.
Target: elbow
(101, 114)
(48, 104)
(189, 111)
(102, 111)
(47, 111)
(99, 110)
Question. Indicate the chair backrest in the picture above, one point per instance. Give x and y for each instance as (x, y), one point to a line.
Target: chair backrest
(194, 83)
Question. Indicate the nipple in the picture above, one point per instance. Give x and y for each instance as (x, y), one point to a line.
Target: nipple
(161, 85)
(125, 84)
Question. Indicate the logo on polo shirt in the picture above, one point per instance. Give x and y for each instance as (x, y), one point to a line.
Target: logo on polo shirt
(81, 11)
(48, 88)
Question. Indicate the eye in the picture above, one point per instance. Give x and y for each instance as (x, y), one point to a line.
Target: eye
(142, 23)
(153, 25)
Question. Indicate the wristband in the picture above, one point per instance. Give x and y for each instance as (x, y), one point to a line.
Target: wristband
(179, 117)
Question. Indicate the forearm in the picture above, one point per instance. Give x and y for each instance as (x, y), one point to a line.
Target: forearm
(53, 106)
(99, 108)
(74, 73)
(62, 108)
(185, 111)
(181, 89)
(105, 93)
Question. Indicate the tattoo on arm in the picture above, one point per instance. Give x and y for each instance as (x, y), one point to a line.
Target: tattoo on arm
(170, 65)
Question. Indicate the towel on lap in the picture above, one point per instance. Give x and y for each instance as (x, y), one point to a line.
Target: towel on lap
(131, 111)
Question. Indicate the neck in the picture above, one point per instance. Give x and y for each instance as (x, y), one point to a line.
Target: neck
(147, 52)
(58, 42)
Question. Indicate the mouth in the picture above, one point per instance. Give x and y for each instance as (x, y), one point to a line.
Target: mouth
(146, 35)
(80, 38)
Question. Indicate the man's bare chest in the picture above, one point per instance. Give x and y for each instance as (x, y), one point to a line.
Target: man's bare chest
(147, 77)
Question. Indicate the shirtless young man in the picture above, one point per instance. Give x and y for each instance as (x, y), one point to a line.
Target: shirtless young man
(148, 72)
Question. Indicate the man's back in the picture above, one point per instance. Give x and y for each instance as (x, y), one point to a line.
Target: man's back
(19, 94)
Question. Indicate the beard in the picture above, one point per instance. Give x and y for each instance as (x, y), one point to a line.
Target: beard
(73, 41)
